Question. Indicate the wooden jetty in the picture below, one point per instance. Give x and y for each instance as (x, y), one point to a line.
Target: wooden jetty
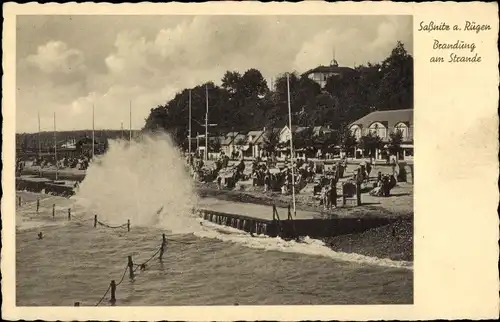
(290, 228)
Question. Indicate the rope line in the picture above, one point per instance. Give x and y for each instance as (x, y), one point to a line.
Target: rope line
(102, 298)
(123, 276)
(109, 226)
(144, 263)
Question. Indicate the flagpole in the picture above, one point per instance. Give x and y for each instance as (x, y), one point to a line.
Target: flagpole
(130, 120)
(55, 145)
(206, 124)
(189, 149)
(39, 141)
(93, 130)
(39, 144)
(291, 142)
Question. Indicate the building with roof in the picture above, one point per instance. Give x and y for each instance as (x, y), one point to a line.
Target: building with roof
(234, 144)
(382, 124)
(227, 143)
(253, 148)
(321, 74)
(286, 132)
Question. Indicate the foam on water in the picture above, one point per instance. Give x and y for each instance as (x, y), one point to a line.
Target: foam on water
(308, 246)
(145, 181)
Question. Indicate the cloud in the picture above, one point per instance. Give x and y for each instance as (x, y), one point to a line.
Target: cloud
(147, 60)
(56, 57)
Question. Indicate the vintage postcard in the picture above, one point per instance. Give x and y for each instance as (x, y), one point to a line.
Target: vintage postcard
(250, 161)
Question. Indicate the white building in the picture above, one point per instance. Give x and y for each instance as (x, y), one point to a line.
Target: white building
(321, 74)
(382, 124)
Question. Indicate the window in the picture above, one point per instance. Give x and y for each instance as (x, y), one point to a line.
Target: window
(356, 131)
(403, 128)
(378, 129)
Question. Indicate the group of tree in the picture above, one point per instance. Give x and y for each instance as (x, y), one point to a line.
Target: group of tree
(244, 102)
(30, 142)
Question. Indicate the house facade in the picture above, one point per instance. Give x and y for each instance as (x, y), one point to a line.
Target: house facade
(227, 143)
(253, 148)
(321, 74)
(383, 124)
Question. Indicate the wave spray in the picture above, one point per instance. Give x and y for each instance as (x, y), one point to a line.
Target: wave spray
(145, 181)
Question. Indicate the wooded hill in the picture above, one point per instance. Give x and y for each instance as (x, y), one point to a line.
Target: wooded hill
(244, 102)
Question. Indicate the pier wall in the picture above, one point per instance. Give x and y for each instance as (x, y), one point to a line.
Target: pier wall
(43, 185)
(291, 228)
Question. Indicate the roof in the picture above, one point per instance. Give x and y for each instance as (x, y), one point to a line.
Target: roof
(329, 69)
(256, 135)
(229, 138)
(216, 138)
(296, 128)
(240, 137)
(391, 118)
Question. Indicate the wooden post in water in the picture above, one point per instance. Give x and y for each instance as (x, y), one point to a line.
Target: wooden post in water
(37, 204)
(95, 221)
(163, 244)
(53, 210)
(113, 293)
(130, 267)
(69, 213)
(128, 224)
(20, 201)
(289, 213)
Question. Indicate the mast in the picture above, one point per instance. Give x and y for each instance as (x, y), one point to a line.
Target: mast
(55, 145)
(189, 145)
(130, 121)
(93, 130)
(39, 144)
(206, 124)
(39, 141)
(291, 142)
(197, 142)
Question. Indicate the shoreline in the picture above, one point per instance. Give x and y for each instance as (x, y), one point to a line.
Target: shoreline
(393, 241)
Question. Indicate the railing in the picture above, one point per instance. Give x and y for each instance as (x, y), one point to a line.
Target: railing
(131, 267)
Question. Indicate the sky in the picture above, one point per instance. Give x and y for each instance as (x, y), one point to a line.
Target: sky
(67, 64)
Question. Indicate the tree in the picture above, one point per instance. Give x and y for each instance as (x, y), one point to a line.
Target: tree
(347, 139)
(396, 85)
(231, 82)
(253, 83)
(271, 140)
(370, 143)
(215, 144)
(396, 138)
(303, 139)
(326, 141)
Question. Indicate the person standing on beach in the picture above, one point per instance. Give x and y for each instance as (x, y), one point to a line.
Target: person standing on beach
(333, 193)
(267, 181)
(325, 194)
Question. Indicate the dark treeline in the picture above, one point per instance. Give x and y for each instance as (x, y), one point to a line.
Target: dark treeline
(245, 102)
(29, 141)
